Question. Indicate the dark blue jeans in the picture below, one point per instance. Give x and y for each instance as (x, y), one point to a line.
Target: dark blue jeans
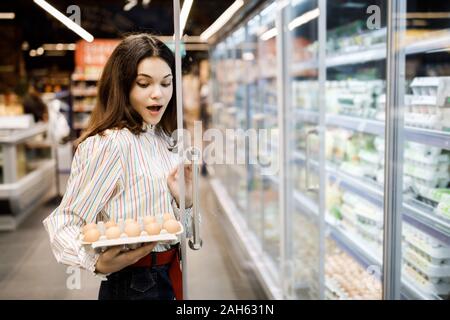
(138, 283)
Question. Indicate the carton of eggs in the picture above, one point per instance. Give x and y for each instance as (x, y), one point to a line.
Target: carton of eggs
(130, 233)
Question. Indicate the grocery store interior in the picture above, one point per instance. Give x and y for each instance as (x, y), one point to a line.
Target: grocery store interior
(334, 117)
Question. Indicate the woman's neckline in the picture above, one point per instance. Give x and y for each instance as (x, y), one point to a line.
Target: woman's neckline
(148, 127)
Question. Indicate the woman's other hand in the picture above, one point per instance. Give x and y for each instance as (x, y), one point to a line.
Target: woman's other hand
(112, 260)
(172, 183)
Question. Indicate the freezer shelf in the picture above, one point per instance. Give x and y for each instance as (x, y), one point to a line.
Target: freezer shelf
(423, 217)
(440, 139)
(355, 246)
(374, 53)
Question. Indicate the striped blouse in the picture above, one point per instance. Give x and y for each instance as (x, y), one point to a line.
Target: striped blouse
(116, 176)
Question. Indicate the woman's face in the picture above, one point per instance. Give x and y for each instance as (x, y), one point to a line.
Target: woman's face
(152, 89)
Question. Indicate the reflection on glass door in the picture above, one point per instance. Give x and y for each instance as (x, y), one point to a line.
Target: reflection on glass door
(255, 180)
(303, 143)
(355, 97)
(268, 120)
(426, 151)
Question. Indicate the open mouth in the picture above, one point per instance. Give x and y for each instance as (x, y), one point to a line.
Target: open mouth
(154, 108)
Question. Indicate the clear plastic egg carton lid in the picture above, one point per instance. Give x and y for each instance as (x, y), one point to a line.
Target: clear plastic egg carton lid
(432, 286)
(431, 270)
(432, 247)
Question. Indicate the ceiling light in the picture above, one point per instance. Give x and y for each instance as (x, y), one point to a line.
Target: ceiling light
(304, 18)
(130, 5)
(58, 46)
(32, 53)
(269, 34)
(7, 15)
(220, 22)
(187, 4)
(66, 21)
(40, 51)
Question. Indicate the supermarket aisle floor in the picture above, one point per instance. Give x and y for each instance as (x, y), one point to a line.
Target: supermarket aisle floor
(28, 269)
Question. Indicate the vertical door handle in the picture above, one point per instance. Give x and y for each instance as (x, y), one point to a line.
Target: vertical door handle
(195, 243)
(309, 133)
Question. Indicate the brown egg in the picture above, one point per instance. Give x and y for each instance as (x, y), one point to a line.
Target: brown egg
(168, 216)
(171, 226)
(149, 219)
(153, 228)
(110, 223)
(112, 232)
(91, 235)
(89, 226)
(132, 229)
(129, 220)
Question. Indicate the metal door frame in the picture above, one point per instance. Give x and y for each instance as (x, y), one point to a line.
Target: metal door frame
(393, 170)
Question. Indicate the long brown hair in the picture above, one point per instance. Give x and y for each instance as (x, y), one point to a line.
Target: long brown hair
(113, 108)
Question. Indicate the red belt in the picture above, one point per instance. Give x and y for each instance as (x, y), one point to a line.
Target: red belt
(171, 257)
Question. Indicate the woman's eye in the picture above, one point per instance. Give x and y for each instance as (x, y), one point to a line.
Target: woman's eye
(166, 84)
(142, 85)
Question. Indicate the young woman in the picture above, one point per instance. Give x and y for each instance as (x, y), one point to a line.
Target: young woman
(123, 168)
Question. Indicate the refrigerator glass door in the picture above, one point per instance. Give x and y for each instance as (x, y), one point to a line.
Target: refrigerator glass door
(354, 148)
(302, 143)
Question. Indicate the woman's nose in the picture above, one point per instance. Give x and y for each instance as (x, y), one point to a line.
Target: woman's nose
(156, 93)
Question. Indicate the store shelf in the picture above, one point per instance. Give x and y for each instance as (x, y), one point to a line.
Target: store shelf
(413, 292)
(374, 53)
(435, 138)
(414, 212)
(13, 190)
(365, 189)
(425, 46)
(25, 195)
(83, 77)
(356, 124)
(350, 243)
(309, 116)
(353, 245)
(77, 126)
(362, 187)
(82, 110)
(18, 136)
(84, 94)
(440, 139)
(306, 204)
(423, 218)
(299, 67)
